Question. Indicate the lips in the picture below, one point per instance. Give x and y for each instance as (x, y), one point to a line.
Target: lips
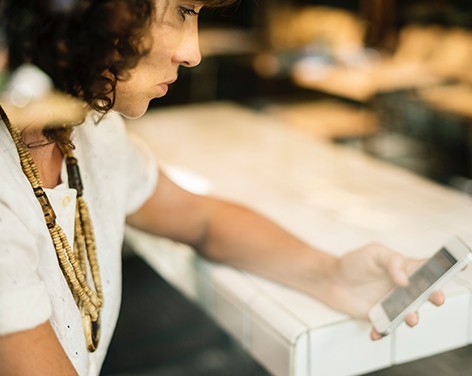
(171, 81)
(165, 86)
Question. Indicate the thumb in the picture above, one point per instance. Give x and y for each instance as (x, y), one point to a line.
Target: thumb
(397, 269)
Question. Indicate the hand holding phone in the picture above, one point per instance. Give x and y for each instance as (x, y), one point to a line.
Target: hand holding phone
(390, 312)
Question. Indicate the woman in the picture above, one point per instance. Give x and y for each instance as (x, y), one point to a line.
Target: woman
(61, 231)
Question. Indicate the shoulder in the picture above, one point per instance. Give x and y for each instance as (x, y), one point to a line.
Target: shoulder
(97, 126)
(100, 139)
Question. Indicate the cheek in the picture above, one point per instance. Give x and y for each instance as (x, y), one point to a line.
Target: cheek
(165, 40)
(131, 99)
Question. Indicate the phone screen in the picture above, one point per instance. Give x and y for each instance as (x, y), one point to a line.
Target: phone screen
(420, 281)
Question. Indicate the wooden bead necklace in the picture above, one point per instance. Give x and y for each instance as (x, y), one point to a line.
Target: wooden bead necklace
(73, 263)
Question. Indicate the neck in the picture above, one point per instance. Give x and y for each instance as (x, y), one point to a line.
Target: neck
(46, 156)
(34, 138)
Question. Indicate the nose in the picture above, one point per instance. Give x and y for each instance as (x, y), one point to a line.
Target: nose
(188, 53)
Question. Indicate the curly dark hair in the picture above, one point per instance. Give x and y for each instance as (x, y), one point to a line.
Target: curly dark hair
(85, 46)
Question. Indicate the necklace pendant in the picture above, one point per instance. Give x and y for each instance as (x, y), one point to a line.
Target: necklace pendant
(92, 331)
(75, 181)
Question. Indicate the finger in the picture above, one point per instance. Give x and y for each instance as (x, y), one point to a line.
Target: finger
(392, 262)
(396, 268)
(374, 336)
(411, 319)
(437, 298)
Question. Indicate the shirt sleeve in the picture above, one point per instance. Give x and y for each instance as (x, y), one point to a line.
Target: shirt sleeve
(24, 302)
(142, 173)
(115, 159)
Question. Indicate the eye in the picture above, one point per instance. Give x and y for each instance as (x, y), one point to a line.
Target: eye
(187, 12)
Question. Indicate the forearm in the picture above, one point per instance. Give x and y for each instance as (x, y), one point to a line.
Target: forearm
(234, 235)
(244, 239)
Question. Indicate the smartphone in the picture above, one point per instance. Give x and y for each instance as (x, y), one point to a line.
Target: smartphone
(390, 312)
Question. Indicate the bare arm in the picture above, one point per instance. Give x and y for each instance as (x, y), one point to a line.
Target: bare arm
(234, 235)
(34, 352)
(229, 233)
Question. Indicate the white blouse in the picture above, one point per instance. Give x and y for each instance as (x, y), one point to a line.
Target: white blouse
(118, 175)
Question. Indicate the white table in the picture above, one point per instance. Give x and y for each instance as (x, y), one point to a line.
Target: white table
(332, 197)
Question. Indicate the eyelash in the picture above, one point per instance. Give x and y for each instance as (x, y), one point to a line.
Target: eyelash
(187, 12)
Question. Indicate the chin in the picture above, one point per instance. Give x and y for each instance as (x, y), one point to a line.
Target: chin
(132, 113)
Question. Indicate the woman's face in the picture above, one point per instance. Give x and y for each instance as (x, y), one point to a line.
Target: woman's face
(174, 32)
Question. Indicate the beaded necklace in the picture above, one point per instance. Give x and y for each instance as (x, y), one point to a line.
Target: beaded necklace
(73, 263)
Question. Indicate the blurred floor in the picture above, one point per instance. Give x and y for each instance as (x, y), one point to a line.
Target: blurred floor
(160, 333)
